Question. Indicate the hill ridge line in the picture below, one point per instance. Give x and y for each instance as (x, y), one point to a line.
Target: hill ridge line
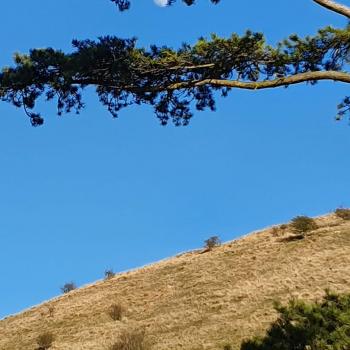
(121, 274)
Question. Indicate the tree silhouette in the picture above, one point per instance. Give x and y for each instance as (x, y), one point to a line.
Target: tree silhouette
(175, 81)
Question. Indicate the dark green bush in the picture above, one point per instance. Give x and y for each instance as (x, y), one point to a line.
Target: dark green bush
(343, 213)
(212, 242)
(45, 341)
(312, 326)
(68, 287)
(131, 340)
(115, 312)
(302, 224)
(109, 274)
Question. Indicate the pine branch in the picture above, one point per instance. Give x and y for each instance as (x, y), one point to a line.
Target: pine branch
(258, 85)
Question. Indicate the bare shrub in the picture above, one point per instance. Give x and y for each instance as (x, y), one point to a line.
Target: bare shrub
(302, 224)
(45, 341)
(115, 312)
(109, 274)
(343, 213)
(51, 310)
(131, 340)
(68, 287)
(212, 242)
(275, 230)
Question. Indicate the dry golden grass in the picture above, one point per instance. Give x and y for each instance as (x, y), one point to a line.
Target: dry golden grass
(197, 300)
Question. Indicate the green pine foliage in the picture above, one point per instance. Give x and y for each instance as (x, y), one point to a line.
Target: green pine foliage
(300, 325)
(174, 81)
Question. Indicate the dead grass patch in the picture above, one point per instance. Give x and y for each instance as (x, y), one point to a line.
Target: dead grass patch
(195, 300)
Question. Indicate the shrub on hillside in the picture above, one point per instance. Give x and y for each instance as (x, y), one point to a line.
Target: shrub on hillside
(115, 312)
(302, 224)
(109, 274)
(312, 326)
(45, 341)
(275, 230)
(343, 213)
(131, 340)
(212, 242)
(51, 310)
(68, 287)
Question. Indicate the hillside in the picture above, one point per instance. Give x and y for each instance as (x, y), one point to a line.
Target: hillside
(197, 300)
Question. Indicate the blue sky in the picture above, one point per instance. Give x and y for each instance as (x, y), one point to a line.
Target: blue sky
(85, 193)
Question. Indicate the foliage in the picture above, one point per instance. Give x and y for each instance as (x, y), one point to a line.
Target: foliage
(313, 326)
(125, 4)
(109, 274)
(302, 224)
(275, 230)
(45, 341)
(116, 312)
(212, 242)
(227, 347)
(343, 213)
(68, 287)
(173, 81)
(131, 340)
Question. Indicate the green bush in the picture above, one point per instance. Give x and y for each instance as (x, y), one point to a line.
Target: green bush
(109, 274)
(131, 340)
(116, 312)
(302, 224)
(45, 341)
(212, 242)
(343, 213)
(312, 326)
(68, 287)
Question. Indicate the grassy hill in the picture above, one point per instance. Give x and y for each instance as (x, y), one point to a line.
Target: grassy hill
(197, 300)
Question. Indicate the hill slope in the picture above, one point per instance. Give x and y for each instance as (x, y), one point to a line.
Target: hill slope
(197, 300)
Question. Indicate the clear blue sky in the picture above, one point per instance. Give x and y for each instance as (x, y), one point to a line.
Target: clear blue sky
(85, 193)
